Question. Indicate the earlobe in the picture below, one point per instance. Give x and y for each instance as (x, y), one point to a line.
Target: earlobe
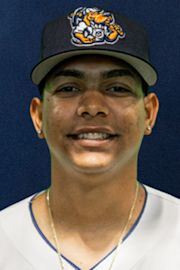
(151, 104)
(36, 115)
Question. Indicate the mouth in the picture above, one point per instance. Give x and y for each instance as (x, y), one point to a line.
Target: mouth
(97, 136)
(93, 137)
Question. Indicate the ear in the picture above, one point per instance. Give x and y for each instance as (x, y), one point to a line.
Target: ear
(36, 115)
(151, 104)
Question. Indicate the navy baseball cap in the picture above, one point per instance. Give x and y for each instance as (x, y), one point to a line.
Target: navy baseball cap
(94, 31)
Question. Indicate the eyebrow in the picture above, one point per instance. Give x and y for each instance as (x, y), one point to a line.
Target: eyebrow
(105, 75)
(69, 73)
(117, 73)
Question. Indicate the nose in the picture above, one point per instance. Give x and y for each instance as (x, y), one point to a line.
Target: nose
(92, 104)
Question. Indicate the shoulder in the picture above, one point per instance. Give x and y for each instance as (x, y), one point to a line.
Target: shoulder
(163, 208)
(15, 211)
(19, 214)
(20, 240)
(15, 221)
(163, 197)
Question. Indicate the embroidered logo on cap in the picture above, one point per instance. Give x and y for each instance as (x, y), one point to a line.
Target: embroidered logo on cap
(92, 26)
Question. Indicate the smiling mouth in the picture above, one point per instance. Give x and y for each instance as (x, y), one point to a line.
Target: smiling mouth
(98, 136)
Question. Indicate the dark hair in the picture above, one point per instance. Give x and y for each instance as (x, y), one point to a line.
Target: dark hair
(145, 87)
(41, 87)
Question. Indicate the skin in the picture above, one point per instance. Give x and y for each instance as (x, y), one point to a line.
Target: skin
(91, 178)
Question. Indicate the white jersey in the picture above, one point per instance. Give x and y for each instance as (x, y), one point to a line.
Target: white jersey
(153, 244)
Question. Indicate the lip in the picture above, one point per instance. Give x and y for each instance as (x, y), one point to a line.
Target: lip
(93, 143)
(93, 129)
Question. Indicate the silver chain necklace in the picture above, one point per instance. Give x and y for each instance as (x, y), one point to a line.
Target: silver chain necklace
(54, 233)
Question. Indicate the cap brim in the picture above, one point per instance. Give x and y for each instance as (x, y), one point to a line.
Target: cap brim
(146, 70)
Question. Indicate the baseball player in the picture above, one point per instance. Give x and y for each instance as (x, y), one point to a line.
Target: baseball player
(93, 113)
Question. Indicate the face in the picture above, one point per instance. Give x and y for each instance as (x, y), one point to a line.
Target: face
(94, 114)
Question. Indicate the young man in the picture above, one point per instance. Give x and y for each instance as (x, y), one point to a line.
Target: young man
(94, 113)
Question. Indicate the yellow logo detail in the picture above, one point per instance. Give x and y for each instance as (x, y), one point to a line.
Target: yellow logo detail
(92, 26)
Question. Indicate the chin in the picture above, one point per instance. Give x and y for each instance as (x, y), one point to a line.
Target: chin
(92, 163)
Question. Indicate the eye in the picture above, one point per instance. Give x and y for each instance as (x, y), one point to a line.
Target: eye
(118, 90)
(67, 89)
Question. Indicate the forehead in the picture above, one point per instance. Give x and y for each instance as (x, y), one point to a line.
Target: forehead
(94, 64)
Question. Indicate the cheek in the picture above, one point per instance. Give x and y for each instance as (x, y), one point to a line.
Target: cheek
(56, 116)
(131, 120)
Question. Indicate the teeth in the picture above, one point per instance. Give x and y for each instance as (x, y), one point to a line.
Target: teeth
(93, 136)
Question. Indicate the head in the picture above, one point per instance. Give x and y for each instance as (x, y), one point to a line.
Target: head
(95, 109)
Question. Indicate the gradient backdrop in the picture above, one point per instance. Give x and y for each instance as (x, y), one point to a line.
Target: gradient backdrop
(24, 159)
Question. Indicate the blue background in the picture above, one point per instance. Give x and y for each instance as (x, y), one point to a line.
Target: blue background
(25, 163)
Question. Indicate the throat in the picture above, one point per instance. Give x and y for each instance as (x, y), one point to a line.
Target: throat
(93, 210)
(88, 236)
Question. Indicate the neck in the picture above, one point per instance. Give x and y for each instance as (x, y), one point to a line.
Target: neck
(91, 201)
(89, 214)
